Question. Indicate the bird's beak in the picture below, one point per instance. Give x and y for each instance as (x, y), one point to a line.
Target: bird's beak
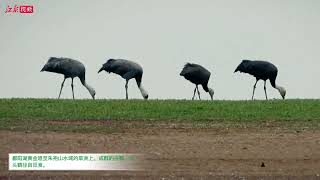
(146, 97)
(42, 69)
(93, 97)
(284, 96)
(100, 70)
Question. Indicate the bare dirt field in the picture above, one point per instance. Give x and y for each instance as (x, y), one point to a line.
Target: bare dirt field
(173, 152)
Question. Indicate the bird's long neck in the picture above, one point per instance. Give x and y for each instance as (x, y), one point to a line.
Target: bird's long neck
(209, 90)
(279, 88)
(142, 90)
(273, 84)
(205, 87)
(89, 88)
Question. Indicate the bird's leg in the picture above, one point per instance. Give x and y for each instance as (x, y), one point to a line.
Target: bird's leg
(254, 88)
(265, 90)
(198, 92)
(61, 87)
(126, 86)
(194, 92)
(72, 87)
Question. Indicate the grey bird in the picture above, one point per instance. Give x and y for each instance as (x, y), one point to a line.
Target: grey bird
(261, 70)
(70, 68)
(198, 75)
(127, 70)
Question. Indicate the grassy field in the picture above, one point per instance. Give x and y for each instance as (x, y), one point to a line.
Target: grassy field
(34, 114)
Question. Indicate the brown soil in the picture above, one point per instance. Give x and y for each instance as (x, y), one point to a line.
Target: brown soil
(178, 153)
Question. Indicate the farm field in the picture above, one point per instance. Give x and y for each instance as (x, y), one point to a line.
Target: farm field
(181, 139)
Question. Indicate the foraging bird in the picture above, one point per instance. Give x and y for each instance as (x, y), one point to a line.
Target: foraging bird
(70, 69)
(197, 75)
(127, 70)
(261, 70)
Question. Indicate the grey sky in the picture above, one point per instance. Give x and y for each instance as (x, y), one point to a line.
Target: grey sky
(162, 36)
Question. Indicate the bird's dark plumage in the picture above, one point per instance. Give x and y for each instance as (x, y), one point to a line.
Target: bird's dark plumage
(196, 74)
(126, 69)
(70, 68)
(261, 70)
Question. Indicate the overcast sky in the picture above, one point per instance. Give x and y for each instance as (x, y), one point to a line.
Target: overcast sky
(161, 35)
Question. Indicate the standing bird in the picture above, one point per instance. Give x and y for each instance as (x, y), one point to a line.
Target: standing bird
(261, 70)
(70, 69)
(197, 75)
(127, 70)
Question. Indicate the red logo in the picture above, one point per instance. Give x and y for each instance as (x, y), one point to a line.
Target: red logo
(25, 9)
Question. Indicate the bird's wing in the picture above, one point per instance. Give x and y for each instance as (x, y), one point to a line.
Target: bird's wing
(129, 75)
(58, 65)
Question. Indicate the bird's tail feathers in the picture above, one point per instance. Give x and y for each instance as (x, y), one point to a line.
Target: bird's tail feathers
(239, 68)
(44, 68)
(184, 70)
(101, 69)
(107, 66)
